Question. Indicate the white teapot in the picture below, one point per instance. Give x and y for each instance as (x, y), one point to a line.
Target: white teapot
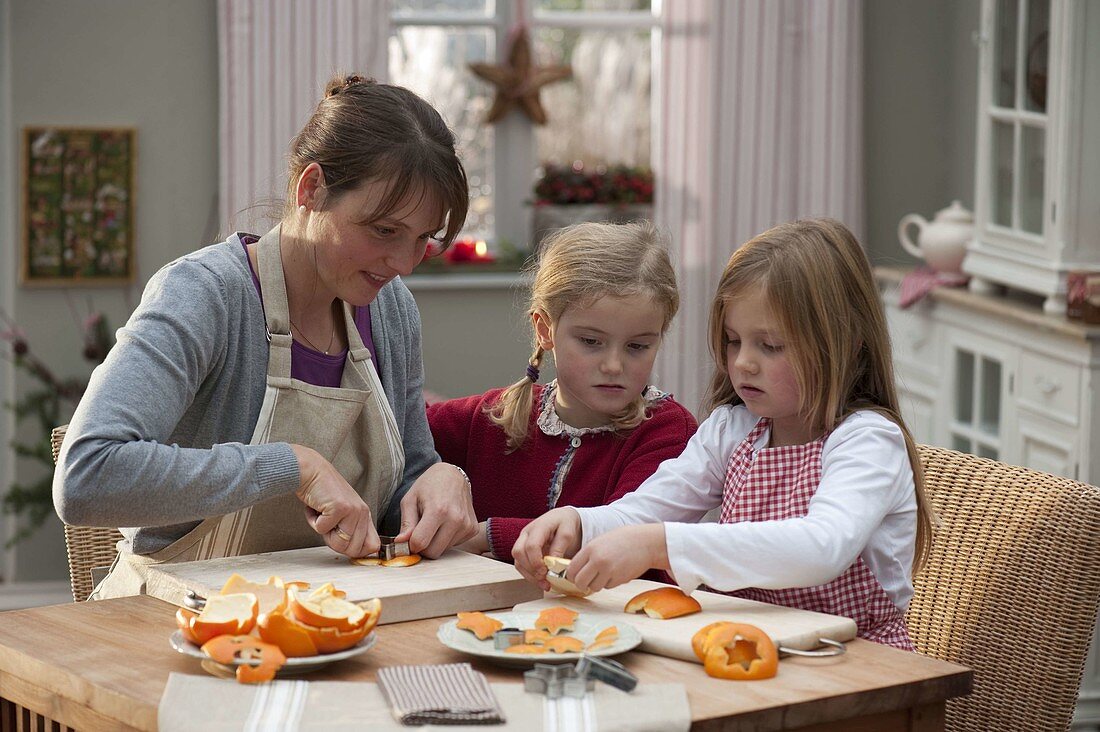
(942, 241)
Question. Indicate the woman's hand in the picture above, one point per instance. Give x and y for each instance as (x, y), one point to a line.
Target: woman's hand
(556, 533)
(619, 556)
(333, 508)
(479, 544)
(437, 512)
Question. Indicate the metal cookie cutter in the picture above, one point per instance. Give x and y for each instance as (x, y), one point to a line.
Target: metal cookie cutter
(505, 638)
(610, 672)
(836, 648)
(556, 681)
(194, 601)
(392, 548)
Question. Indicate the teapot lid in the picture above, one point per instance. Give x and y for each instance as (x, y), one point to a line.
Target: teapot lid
(955, 213)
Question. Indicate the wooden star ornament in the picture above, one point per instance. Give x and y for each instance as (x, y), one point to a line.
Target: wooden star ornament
(518, 82)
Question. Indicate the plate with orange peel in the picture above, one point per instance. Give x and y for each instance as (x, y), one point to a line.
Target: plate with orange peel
(594, 637)
(310, 628)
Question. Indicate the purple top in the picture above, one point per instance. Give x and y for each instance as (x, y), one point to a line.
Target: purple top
(306, 364)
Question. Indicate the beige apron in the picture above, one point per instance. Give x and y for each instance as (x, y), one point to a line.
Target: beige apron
(351, 425)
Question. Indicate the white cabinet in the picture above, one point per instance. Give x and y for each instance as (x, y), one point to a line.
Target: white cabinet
(995, 376)
(1038, 156)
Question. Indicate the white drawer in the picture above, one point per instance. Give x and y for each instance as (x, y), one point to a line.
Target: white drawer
(1050, 387)
(914, 340)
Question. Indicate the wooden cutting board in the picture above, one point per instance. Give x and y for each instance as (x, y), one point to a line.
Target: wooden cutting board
(787, 626)
(433, 588)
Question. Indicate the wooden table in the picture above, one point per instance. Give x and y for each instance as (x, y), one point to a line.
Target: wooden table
(103, 665)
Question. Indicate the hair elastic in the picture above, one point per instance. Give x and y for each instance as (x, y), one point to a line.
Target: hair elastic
(532, 372)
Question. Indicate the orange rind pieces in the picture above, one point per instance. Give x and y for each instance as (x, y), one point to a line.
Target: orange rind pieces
(478, 623)
(297, 639)
(556, 619)
(246, 649)
(233, 614)
(326, 607)
(604, 639)
(404, 561)
(563, 644)
(271, 594)
(525, 648)
(536, 636)
(701, 638)
(664, 603)
(560, 583)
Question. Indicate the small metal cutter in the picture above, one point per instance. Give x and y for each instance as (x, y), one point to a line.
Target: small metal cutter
(505, 638)
(556, 681)
(392, 548)
(610, 672)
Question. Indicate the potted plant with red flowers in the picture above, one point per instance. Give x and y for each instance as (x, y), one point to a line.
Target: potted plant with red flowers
(569, 194)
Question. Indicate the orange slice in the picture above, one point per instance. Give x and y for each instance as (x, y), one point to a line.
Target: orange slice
(479, 624)
(556, 619)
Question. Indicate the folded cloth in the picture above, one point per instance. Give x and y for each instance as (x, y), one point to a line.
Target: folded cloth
(193, 702)
(918, 283)
(451, 693)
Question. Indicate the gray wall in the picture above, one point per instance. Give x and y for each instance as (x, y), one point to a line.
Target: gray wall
(920, 102)
(147, 64)
(152, 64)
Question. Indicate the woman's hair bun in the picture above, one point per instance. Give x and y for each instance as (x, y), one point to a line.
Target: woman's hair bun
(342, 83)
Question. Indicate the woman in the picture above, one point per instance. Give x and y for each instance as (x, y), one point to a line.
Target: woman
(266, 394)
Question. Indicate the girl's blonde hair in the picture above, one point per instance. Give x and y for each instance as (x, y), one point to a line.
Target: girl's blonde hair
(577, 266)
(819, 285)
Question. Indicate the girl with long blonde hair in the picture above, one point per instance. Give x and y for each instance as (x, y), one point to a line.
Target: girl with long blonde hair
(805, 453)
(602, 297)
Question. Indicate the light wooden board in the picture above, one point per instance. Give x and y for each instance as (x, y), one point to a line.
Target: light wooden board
(433, 588)
(787, 626)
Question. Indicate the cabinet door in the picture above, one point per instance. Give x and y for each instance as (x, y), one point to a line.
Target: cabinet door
(1043, 444)
(1012, 189)
(977, 400)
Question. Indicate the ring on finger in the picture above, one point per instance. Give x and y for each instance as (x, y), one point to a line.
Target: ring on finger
(342, 534)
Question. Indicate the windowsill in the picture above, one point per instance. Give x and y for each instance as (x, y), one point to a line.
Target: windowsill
(465, 280)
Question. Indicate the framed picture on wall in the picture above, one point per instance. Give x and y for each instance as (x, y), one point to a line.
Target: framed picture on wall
(78, 206)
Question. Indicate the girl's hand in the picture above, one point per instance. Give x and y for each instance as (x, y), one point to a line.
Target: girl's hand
(556, 533)
(437, 512)
(333, 508)
(619, 556)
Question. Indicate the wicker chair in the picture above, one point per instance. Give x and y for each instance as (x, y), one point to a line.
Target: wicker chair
(1010, 590)
(88, 547)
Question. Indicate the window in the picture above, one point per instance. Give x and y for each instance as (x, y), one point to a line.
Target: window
(602, 116)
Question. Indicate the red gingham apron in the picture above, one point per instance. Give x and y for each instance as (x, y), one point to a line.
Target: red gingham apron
(777, 483)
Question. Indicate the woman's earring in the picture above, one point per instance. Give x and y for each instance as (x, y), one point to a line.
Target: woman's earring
(302, 209)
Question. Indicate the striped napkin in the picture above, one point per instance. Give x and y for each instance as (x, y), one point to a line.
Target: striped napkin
(450, 693)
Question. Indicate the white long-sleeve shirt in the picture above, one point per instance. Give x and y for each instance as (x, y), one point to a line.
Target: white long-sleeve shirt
(864, 506)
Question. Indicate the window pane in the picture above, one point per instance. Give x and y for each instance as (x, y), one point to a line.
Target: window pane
(431, 61)
(1002, 173)
(991, 396)
(415, 7)
(1031, 186)
(964, 387)
(987, 451)
(1037, 49)
(600, 5)
(1004, 83)
(960, 443)
(602, 114)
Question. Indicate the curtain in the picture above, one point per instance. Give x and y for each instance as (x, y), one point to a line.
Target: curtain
(275, 57)
(760, 122)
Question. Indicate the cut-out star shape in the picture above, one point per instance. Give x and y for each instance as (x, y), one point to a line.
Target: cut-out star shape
(518, 82)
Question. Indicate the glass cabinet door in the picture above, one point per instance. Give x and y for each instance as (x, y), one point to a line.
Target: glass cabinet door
(976, 422)
(1015, 113)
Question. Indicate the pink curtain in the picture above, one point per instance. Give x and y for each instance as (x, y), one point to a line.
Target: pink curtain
(275, 58)
(760, 122)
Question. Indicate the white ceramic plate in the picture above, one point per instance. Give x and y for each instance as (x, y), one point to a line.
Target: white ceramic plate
(466, 642)
(298, 665)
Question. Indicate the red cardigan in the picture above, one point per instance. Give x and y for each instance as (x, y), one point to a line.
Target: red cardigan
(512, 489)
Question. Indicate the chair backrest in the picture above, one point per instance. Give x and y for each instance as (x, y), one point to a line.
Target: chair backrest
(88, 547)
(1011, 589)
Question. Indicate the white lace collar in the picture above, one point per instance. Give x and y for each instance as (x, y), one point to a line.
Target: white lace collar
(552, 426)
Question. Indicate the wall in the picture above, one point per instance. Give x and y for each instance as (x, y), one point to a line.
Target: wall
(147, 64)
(921, 88)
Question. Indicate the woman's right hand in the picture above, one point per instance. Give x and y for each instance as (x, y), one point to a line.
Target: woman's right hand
(333, 508)
(556, 533)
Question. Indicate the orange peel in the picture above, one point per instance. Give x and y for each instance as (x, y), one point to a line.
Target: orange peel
(556, 619)
(479, 624)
